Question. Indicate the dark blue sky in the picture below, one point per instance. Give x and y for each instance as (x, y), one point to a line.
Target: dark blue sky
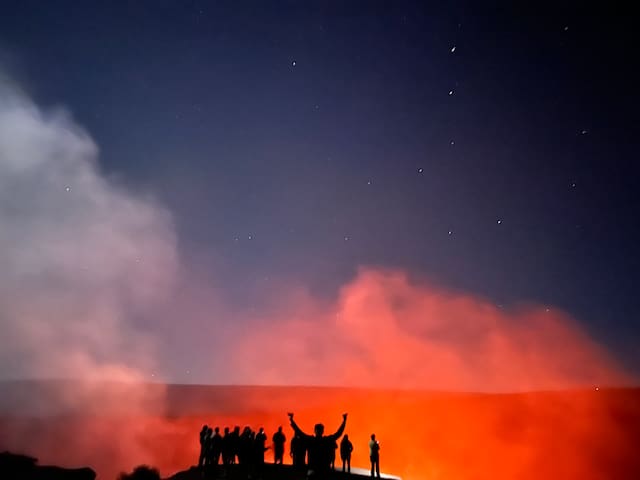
(298, 140)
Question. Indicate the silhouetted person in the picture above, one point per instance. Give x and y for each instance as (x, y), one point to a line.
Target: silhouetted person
(298, 451)
(332, 455)
(319, 446)
(203, 445)
(260, 446)
(278, 446)
(208, 456)
(245, 446)
(227, 446)
(374, 455)
(235, 444)
(216, 446)
(346, 447)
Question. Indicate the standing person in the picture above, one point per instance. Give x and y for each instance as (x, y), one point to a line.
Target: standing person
(235, 445)
(227, 447)
(346, 447)
(298, 451)
(278, 446)
(208, 456)
(260, 447)
(216, 446)
(374, 455)
(332, 454)
(203, 445)
(319, 446)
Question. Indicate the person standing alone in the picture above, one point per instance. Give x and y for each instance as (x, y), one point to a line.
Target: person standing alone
(374, 455)
(346, 447)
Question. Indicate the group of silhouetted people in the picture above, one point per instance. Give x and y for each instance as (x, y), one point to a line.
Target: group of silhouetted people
(316, 453)
(246, 448)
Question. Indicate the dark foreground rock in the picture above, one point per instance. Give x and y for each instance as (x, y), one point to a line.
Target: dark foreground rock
(268, 472)
(23, 467)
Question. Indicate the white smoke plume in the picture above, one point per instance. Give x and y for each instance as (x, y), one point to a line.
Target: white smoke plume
(81, 257)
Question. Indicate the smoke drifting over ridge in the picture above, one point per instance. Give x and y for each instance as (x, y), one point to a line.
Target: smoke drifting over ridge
(85, 263)
(388, 331)
(81, 257)
(85, 259)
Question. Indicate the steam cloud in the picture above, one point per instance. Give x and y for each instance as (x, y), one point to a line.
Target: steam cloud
(388, 331)
(85, 261)
(81, 257)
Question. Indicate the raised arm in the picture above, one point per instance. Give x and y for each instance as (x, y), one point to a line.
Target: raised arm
(340, 431)
(296, 428)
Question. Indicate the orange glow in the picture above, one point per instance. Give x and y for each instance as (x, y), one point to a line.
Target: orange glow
(383, 333)
(386, 330)
(570, 435)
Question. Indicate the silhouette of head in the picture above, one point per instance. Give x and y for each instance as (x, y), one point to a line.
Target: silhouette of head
(280, 429)
(217, 430)
(373, 436)
(226, 430)
(318, 429)
(346, 437)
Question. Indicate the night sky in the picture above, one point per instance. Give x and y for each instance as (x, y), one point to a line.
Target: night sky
(489, 150)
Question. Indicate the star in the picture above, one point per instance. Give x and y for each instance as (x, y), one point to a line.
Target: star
(420, 170)
(450, 92)
(499, 221)
(452, 142)
(368, 182)
(293, 63)
(346, 238)
(250, 237)
(450, 232)
(583, 132)
(453, 49)
(573, 185)
(67, 189)
(566, 29)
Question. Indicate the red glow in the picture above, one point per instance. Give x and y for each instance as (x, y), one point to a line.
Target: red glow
(385, 331)
(584, 435)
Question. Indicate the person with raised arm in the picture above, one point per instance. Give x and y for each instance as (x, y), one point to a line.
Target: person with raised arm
(319, 446)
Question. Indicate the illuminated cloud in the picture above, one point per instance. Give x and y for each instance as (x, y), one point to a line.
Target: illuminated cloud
(386, 330)
(81, 256)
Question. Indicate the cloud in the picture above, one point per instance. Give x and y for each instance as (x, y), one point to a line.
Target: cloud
(389, 331)
(87, 264)
(81, 256)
